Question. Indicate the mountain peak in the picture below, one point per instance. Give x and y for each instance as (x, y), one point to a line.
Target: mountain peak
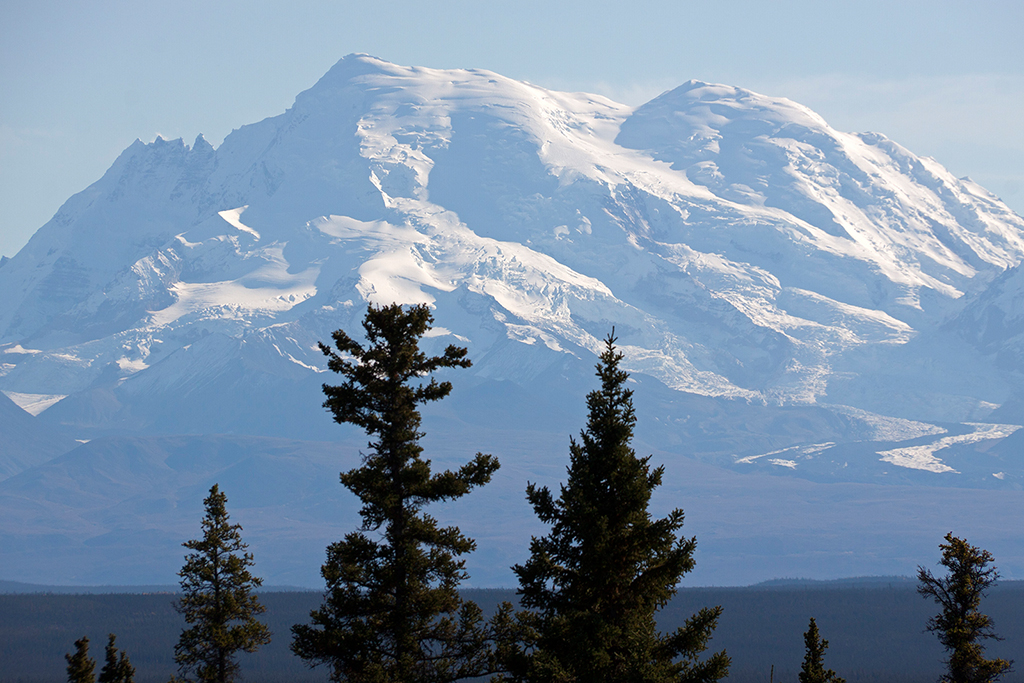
(712, 105)
(353, 66)
(201, 144)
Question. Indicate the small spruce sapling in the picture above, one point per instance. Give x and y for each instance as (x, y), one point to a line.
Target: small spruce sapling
(117, 669)
(813, 669)
(81, 667)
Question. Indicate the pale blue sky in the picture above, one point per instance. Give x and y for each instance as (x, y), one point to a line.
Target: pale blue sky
(79, 81)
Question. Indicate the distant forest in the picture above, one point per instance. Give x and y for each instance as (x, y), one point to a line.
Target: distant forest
(876, 630)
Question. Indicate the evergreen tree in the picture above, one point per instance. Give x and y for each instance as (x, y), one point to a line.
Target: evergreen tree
(392, 612)
(218, 599)
(595, 582)
(81, 667)
(813, 669)
(961, 626)
(117, 668)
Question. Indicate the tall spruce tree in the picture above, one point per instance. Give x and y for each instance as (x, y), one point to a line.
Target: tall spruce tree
(81, 667)
(392, 611)
(117, 668)
(217, 599)
(813, 669)
(594, 583)
(961, 625)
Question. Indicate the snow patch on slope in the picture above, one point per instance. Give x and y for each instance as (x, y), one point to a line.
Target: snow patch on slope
(233, 216)
(34, 404)
(804, 451)
(924, 457)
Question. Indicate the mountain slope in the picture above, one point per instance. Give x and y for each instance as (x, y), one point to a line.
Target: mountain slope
(116, 510)
(24, 443)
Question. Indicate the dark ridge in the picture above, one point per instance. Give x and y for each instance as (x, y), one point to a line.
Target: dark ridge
(19, 588)
(849, 582)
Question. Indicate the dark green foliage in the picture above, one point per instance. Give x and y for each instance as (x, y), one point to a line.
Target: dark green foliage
(217, 599)
(80, 665)
(595, 582)
(117, 668)
(392, 611)
(813, 669)
(961, 626)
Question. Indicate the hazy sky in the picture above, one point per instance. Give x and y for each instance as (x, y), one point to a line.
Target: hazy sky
(79, 81)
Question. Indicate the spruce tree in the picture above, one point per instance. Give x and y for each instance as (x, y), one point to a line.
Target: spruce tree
(961, 626)
(813, 669)
(81, 667)
(392, 611)
(218, 599)
(117, 668)
(594, 583)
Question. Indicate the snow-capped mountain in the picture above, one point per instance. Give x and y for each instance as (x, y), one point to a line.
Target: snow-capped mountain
(791, 299)
(739, 245)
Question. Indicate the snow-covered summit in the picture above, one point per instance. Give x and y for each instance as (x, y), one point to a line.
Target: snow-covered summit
(861, 197)
(741, 247)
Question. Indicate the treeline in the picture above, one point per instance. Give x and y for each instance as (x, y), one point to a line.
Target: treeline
(591, 590)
